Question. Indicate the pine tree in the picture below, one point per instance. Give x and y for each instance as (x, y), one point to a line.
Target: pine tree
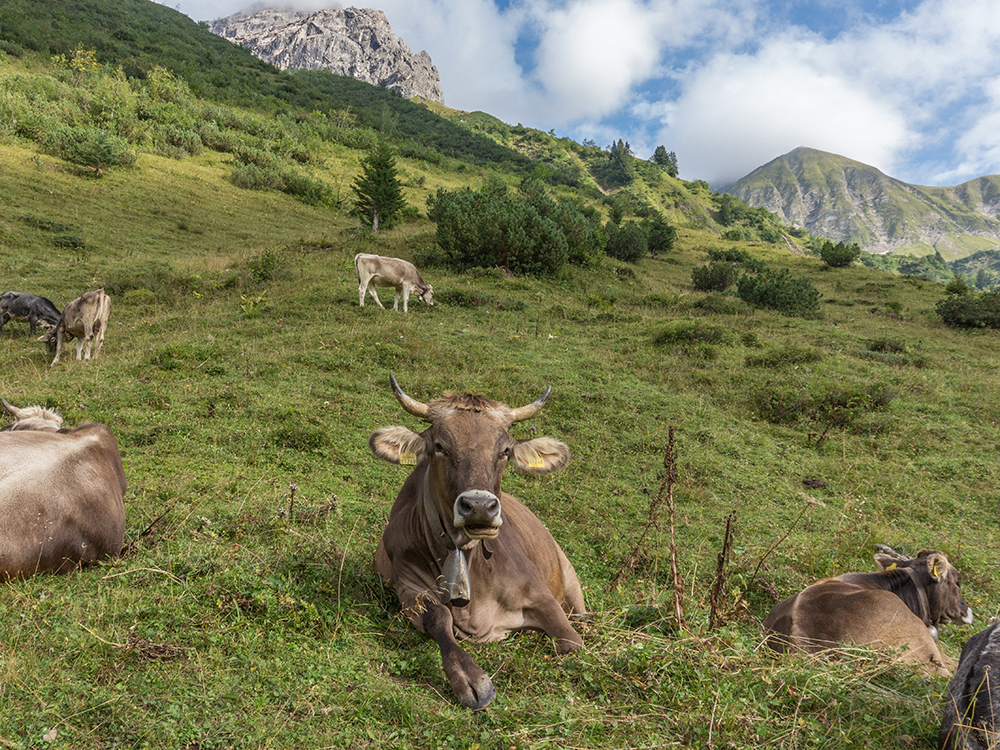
(378, 193)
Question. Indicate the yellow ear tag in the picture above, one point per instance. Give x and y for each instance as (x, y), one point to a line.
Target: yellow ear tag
(407, 459)
(891, 567)
(537, 462)
(934, 571)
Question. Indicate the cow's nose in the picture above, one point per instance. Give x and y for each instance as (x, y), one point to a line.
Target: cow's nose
(477, 506)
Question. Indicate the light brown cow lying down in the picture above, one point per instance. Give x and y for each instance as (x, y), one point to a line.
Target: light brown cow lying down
(401, 275)
(896, 607)
(61, 494)
(466, 559)
(85, 319)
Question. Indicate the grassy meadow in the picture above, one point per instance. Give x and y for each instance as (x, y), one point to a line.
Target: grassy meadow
(242, 381)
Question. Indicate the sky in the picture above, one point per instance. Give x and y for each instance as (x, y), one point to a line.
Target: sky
(911, 87)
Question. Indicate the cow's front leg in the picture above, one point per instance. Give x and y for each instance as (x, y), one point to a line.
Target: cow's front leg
(471, 685)
(549, 617)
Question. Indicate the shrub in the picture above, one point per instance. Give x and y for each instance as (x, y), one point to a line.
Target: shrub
(264, 267)
(839, 255)
(253, 177)
(970, 310)
(183, 141)
(627, 242)
(734, 255)
(777, 290)
(684, 333)
(309, 190)
(717, 276)
(489, 227)
(88, 147)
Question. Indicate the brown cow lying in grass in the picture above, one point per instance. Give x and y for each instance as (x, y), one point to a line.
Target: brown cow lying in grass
(61, 494)
(896, 607)
(467, 560)
(86, 319)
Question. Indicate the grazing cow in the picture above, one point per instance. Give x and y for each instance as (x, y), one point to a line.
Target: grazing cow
(459, 566)
(899, 606)
(61, 494)
(86, 319)
(35, 310)
(375, 270)
(972, 712)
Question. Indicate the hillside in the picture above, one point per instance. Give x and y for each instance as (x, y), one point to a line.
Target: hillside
(847, 201)
(242, 381)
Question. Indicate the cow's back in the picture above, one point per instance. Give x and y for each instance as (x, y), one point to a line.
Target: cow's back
(972, 705)
(61, 498)
(834, 612)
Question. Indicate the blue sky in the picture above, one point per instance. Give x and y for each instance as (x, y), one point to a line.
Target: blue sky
(911, 87)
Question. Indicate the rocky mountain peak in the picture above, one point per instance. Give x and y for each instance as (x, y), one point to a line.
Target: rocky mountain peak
(355, 42)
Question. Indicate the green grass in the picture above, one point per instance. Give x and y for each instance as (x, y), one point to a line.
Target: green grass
(243, 380)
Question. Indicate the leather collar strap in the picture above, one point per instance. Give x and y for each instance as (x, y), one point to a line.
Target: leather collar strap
(925, 609)
(455, 585)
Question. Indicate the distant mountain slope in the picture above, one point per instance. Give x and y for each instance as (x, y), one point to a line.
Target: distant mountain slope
(353, 42)
(844, 200)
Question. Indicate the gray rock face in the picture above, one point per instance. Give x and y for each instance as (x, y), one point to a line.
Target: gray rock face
(351, 42)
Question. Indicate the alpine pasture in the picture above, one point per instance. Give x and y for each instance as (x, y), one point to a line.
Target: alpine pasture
(242, 381)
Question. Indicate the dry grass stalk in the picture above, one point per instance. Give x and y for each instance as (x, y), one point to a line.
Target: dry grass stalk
(718, 594)
(666, 488)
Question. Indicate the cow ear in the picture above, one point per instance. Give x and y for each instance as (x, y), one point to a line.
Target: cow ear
(398, 445)
(887, 562)
(937, 566)
(542, 455)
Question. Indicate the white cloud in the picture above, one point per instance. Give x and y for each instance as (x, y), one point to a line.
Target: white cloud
(738, 84)
(740, 111)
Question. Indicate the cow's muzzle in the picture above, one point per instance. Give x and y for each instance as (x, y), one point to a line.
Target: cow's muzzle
(477, 512)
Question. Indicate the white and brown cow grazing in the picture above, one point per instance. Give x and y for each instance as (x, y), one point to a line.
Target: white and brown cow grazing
(900, 606)
(972, 712)
(466, 559)
(61, 494)
(376, 270)
(86, 320)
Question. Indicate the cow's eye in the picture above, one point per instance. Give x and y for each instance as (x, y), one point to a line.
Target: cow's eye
(505, 455)
(438, 448)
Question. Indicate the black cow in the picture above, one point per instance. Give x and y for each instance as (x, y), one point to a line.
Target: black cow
(972, 713)
(29, 307)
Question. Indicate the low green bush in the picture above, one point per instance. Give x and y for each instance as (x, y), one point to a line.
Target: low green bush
(778, 290)
(717, 276)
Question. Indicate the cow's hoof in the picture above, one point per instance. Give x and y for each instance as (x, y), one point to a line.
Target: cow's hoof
(479, 695)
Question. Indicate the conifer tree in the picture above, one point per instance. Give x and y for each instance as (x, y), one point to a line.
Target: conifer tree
(378, 193)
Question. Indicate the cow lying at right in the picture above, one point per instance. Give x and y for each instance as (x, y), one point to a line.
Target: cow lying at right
(972, 712)
(896, 607)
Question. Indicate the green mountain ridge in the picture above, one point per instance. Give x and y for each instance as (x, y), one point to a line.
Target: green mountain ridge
(847, 201)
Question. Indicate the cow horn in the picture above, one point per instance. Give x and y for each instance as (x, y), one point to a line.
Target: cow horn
(526, 412)
(414, 407)
(885, 548)
(12, 410)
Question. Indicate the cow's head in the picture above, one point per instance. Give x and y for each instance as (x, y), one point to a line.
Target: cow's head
(939, 580)
(32, 418)
(49, 339)
(467, 447)
(427, 295)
